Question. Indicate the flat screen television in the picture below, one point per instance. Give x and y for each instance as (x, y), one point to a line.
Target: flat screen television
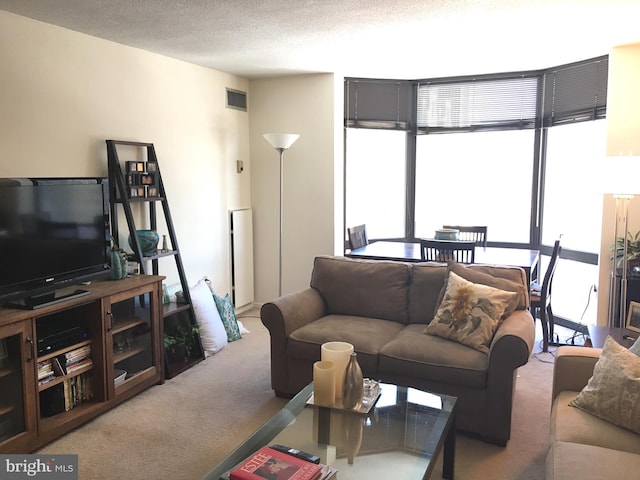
(54, 233)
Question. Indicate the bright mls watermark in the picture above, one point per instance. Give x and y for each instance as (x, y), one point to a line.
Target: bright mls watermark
(53, 467)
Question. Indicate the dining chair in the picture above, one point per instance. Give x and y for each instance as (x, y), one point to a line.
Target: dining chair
(541, 299)
(447, 250)
(475, 234)
(357, 236)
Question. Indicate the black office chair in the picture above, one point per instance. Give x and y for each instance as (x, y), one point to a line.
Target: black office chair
(471, 234)
(447, 250)
(357, 236)
(541, 300)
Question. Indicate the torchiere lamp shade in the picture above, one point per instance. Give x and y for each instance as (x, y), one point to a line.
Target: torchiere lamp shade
(281, 140)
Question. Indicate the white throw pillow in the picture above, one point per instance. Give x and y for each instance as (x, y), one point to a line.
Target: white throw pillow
(212, 332)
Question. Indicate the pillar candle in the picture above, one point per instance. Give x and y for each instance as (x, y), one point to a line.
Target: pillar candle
(339, 353)
(324, 391)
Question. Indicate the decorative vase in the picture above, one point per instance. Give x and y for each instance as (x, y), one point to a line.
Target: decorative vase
(119, 263)
(148, 240)
(447, 234)
(352, 389)
(352, 429)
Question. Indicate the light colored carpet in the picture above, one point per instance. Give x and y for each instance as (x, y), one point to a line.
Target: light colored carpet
(183, 428)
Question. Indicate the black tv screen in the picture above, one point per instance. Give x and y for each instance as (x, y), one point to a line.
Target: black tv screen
(53, 232)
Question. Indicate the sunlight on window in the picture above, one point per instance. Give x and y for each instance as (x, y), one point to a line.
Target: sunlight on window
(475, 179)
(572, 200)
(375, 181)
(573, 208)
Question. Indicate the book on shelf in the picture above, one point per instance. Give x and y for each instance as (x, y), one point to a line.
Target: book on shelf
(77, 390)
(45, 371)
(74, 367)
(72, 361)
(272, 464)
(66, 395)
(78, 354)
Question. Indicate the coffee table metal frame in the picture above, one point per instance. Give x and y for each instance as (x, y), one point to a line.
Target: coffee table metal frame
(427, 430)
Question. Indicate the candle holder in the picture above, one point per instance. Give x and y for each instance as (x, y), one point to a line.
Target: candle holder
(324, 383)
(339, 353)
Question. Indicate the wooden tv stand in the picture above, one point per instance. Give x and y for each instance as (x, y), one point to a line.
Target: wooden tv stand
(64, 364)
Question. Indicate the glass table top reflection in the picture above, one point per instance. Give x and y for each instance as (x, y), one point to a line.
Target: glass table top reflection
(400, 437)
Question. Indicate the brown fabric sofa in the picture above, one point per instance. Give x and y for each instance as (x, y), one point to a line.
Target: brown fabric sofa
(583, 445)
(382, 308)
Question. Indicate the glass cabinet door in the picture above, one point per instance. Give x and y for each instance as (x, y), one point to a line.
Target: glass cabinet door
(134, 334)
(17, 402)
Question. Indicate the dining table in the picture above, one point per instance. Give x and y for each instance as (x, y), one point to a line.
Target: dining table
(525, 258)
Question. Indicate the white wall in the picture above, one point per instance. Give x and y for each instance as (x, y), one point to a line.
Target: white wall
(302, 104)
(63, 93)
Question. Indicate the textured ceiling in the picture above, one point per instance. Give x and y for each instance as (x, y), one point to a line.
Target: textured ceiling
(374, 38)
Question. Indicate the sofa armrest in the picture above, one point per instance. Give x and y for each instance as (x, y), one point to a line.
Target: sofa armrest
(510, 349)
(281, 317)
(517, 334)
(572, 369)
(290, 312)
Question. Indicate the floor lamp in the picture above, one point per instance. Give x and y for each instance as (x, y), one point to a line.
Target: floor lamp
(619, 299)
(281, 142)
(623, 160)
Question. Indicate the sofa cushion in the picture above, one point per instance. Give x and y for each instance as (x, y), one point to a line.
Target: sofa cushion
(412, 354)
(368, 288)
(586, 462)
(367, 335)
(613, 392)
(427, 278)
(569, 424)
(494, 277)
(470, 312)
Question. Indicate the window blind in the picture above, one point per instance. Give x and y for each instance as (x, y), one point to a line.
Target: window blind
(576, 92)
(378, 104)
(474, 105)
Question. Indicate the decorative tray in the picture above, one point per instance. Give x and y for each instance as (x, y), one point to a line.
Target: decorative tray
(371, 394)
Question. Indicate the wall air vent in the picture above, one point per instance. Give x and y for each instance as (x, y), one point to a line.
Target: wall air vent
(236, 99)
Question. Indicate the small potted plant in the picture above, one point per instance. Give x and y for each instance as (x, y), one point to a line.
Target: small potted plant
(633, 253)
(180, 342)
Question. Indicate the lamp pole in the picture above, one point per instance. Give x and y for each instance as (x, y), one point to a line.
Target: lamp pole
(281, 142)
(281, 150)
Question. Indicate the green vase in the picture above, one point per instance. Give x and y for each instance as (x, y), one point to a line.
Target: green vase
(148, 240)
(119, 263)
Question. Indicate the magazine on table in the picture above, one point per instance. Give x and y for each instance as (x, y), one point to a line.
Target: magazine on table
(271, 464)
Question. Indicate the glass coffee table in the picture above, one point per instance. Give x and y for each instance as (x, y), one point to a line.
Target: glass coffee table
(400, 437)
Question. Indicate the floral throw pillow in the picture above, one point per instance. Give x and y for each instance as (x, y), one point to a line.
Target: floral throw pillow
(613, 392)
(635, 348)
(469, 312)
(228, 316)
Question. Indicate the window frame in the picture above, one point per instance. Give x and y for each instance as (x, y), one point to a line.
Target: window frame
(393, 113)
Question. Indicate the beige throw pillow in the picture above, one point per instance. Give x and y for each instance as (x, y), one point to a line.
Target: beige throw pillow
(613, 392)
(470, 313)
(475, 275)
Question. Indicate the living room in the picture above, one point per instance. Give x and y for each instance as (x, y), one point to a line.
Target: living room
(65, 92)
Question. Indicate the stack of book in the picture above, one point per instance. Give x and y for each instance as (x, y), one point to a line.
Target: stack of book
(66, 395)
(75, 359)
(45, 371)
(77, 389)
(273, 464)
